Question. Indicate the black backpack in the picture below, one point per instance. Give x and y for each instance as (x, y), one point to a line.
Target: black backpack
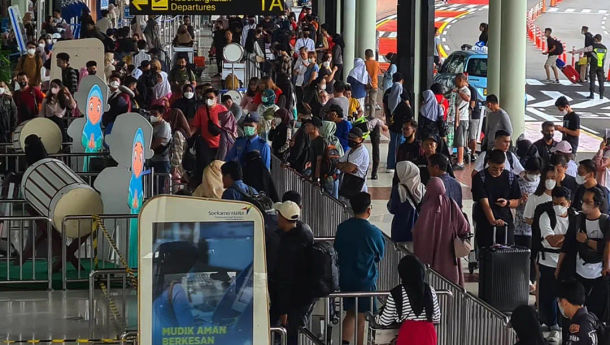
(330, 158)
(537, 239)
(509, 157)
(260, 200)
(324, 272)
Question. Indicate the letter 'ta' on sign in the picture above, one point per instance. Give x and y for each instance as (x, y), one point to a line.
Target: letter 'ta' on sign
(207, 7)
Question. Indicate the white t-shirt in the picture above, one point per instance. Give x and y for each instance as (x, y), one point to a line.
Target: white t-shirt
(304, 42)
(551, 259)
(360, 158)
(461, 106)
(517, 168)
(532, 202)
(300, 68)
(590, 271)
(572, 168)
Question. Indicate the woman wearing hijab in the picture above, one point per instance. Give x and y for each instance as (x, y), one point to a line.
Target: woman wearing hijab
(281, 133)
(359, 78)
(257, 176)
(286, 99)
(183, 38)
(328, 130)
(430, 118)
(162, 89)
(413, 304)
(527, 326)
(228, 133)
(211, 184)
(180, 134)
(247, 101)
(404, 200)
(267, 110)
(187, 103)
(439, 222)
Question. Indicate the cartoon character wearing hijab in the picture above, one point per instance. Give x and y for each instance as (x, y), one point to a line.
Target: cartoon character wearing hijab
(93, 137)
(136, 193)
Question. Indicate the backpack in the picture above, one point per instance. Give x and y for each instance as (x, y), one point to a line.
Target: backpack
(537, 239)
(509, 158)
(588, 254)
(511, 177)
(324, 272)
(260, 200)
(330, 158)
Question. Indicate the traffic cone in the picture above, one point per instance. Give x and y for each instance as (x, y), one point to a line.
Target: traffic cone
(608, 75)
(543, 6)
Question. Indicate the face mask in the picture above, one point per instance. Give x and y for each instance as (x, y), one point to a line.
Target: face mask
(114, 84)
(353, 144)
(560, 210)
(326, 64)
(550, 184)
(249, 131)
(49, 42)
(188, 95)
(22, 84)
(264, 99)
(580, 179)
(563, 112)
(533, 177)
(40, 45)
(562, 311)
(277, 121)
(312, 60)
(54, 90)
(548, 136)
(322, 87)
(154, 119)
(31, 51)
(210, 102)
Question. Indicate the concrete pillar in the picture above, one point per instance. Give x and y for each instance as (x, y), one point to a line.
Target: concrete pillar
(321, 11)
(349, 35)
(366, 30)
(417, 75)
(512, 73)
(494, 61)
(339, 16)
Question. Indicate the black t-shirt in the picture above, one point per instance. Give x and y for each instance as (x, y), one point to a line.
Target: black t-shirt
(571, 121)
(580, 192)
(495, 188)
(316, 149)
(570, 183)
(550, 43)
(475, 113)
(402, 114)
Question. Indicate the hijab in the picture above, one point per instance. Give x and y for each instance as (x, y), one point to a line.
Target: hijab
(328, 130)
(183, 36)
(527, 326)
(163, 88)
(410, 182)
(359, 72)
(284, 115)
(211, 184)
(412, 275)
(228, 123)
(178, 122)
(430, 107)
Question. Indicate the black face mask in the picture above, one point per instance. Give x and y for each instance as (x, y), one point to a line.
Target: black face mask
(353, 144)
(22, 84)
(92, 72)
(548, 136)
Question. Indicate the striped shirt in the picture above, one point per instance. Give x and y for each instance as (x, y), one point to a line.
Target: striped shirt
(388, 315)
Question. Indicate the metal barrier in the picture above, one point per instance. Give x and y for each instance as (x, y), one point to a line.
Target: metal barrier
(468, 319)
(282, 333)
(15, 161)
(110, 277)
(27, 229)
(118, 226)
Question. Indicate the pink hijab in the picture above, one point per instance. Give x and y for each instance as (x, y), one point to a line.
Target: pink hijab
(440, 220)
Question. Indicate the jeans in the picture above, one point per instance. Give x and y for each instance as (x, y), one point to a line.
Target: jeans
(596, 292)
(395, 140)
(547, 296)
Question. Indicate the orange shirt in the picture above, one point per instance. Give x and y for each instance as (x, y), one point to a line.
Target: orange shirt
(372, 67)
(201, 121)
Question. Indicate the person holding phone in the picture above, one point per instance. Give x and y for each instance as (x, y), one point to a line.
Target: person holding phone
(495, 191)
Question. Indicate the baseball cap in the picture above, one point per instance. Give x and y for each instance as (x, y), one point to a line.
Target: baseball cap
(431, 137)
(252, 117)
(355, 133)
(314, 121)
(563, 147)
(288, 209)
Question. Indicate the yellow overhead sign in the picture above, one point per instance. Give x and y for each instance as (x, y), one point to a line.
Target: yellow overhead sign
(207, 7)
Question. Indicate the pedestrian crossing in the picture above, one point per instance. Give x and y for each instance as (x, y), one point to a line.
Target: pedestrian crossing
(575, 11)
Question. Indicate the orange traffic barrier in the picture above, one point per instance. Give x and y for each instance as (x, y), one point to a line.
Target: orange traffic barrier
(543, 6)
(573, 57)
(542, 43)
(564, 56)
(608, 75)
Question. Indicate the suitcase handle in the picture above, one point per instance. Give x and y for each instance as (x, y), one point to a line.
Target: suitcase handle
(495, 228)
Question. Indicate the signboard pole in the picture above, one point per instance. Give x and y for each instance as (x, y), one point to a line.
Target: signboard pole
(15, 17)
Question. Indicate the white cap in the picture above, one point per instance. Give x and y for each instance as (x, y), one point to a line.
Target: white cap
(288, 209)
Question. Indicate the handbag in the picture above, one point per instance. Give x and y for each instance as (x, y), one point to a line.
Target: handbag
(213, 128)
(462, 247)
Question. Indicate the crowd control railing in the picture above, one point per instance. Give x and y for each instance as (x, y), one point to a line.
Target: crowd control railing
(466, 320)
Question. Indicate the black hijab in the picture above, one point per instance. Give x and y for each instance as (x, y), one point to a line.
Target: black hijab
(257, 176)
(525, 323)
(413, 274)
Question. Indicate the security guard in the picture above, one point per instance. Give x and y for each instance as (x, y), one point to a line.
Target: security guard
(598, 58)
(250, 142)
(581, 327)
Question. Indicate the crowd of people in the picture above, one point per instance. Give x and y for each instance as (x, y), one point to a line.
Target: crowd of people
(302, 107)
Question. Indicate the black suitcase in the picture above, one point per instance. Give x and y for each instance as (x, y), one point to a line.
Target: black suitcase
(504, 275)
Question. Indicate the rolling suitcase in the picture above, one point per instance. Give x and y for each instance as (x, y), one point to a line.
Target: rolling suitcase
(504, 275)
(571, 74)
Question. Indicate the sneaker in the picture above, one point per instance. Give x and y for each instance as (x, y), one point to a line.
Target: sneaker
(591, 96)
(389, 171)
(458, 167)
(548, 81)
(556, 82)
(374, 177)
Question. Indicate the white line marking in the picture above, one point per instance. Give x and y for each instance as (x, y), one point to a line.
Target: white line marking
(447, 47)
(444, 39)
(553, 95)
(542, 115)
(586, 10)
(448, 26)
(533, 82)
(602, 11)
(589, 130)
(393, 35)
(530, 97)
(569, 10)
(552, 9)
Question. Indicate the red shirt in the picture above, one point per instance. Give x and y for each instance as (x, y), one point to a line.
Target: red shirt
(28, 102)
(444, 103)
(201, 121)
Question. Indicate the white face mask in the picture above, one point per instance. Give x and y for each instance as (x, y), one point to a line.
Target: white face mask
(54, 90)
(550, 184)
(322, 87)
(533, 177)
(561, 310)
(2, 90)
(563, 112)
(326, 64)
(31, 51)
(580, 179)
(210, 102)
(154, 119)
(560, 210)
(277, 121)
(40, 45)
(114, 84)
(188, 95)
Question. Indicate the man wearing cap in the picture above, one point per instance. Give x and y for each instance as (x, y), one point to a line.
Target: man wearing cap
(544, 146)
(250, 141)
(564, 148)
(356, 160)
(288, 285)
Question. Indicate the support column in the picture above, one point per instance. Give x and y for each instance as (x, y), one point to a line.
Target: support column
(366, 30)
(349, 35)
(512, 75)
(321, 11)
(339, 16)
(494, 60)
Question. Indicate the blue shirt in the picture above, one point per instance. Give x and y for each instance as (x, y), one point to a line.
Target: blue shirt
(453, 189)
(244, 145)
(360, 247)
(358, 89)
(342, 133)
(309, 72)
(232, 192)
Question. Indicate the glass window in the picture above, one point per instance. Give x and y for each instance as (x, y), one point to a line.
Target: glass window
(455, 64)
(477, 67)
